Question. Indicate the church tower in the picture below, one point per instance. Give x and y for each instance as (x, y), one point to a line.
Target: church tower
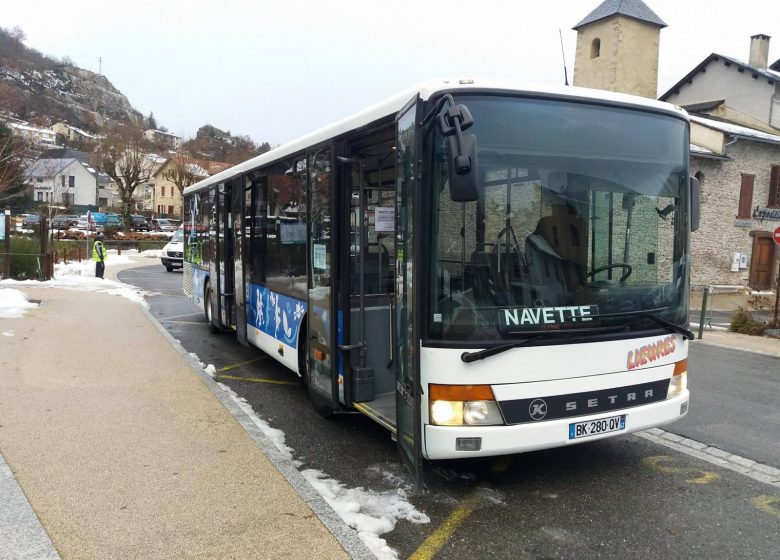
(617, 48)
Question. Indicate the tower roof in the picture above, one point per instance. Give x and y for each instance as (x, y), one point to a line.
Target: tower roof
(630, 8)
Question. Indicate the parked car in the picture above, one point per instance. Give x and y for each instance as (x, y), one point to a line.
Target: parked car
(82, 223)
(64, 221)
(139, 223)
(162, 224)
(109, 222)
(30, 221)
(172, 255)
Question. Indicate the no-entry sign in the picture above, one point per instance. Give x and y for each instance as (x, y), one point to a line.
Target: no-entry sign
(776, 235)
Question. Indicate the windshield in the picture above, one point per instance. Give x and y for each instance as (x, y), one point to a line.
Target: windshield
(178, 237)
(580, 222)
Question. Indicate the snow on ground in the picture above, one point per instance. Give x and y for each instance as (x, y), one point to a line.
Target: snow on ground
(370, 513)
(74, 275)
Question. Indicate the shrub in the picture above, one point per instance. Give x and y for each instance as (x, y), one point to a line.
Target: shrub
(742, 322)
(25, 262)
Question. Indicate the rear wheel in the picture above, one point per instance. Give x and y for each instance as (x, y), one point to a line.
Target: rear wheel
(208, 306)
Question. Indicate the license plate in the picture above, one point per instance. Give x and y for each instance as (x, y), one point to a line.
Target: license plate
(596, 427)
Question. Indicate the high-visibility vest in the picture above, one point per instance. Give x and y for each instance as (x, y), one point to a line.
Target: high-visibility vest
(98, 252)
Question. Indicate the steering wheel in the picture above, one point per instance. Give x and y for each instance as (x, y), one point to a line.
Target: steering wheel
(627, 270)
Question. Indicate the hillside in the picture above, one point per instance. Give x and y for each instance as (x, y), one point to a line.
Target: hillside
(42, 90)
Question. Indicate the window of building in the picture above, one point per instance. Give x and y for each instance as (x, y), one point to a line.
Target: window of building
(63, 181)
(595, 48)
(39, 179)
(746, 197)
(162, 191)
(774, 187)
(40, 196)
(71, 181)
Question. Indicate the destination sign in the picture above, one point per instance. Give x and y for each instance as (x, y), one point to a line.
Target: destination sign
(539, 318)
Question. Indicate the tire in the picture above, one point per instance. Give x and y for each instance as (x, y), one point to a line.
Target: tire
(209, 309)
(169, 268)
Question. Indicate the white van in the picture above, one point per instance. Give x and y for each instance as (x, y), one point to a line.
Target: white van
(172, 255)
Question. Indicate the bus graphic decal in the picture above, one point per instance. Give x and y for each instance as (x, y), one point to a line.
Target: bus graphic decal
(275, 314)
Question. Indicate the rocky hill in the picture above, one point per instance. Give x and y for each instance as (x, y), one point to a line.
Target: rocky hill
(42, 90)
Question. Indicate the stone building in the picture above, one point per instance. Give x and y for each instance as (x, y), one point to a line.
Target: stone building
(617, 48)
(735, 137)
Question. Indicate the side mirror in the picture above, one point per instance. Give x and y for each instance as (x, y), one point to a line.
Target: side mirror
(695, 203)
(462, 166)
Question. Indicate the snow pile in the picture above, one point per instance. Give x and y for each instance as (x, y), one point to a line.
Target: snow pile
(76, 275)
(370, 513)
(13, 303)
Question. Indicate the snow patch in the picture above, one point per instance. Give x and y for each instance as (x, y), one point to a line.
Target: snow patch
(13, 304)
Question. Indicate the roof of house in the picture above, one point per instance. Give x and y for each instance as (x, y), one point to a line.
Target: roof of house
(714, 57)
(737, 131)
(630, 8)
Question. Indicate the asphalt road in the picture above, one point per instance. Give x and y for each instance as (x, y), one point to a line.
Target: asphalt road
(621, 498)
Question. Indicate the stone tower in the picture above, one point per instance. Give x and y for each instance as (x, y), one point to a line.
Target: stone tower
(617, 48)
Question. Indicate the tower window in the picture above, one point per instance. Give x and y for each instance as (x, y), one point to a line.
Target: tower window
(595, 48)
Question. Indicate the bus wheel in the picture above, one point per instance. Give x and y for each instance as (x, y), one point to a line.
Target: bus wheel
(320, 403)
(208, 306)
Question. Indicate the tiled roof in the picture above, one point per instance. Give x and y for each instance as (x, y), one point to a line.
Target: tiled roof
(630, 8)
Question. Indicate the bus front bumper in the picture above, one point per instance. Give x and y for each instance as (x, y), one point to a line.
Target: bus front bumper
(441, 441)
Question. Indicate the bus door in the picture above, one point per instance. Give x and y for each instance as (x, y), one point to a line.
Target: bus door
(370, 182)
(241, 199)
(322, 324)
(225, 251)
(407, 381)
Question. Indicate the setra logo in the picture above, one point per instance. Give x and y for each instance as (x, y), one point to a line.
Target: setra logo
(537, 409)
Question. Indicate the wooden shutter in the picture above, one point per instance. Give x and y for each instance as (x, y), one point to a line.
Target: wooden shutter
(746, 197)
(774, 188)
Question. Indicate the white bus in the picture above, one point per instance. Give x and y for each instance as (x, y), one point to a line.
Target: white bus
(482, 268)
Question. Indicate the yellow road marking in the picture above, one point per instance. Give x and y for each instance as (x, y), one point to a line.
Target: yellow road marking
(768, 504)
(257, 380)
(234, 366)
(704, 477)
(439, 537)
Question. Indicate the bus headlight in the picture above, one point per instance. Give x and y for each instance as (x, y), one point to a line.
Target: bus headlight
(679, 382)
(463, 405)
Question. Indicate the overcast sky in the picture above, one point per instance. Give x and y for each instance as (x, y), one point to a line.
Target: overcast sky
(277, 70)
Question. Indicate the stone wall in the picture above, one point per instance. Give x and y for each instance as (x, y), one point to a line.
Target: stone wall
(721, 233)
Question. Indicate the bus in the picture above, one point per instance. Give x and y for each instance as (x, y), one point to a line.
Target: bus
(483, 268)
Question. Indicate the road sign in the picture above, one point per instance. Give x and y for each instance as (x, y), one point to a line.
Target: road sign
(776, 235)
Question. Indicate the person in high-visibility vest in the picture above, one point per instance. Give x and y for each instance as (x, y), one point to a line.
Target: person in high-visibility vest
(99, 255)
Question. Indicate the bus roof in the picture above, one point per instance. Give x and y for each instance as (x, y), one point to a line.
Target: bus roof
(426, 90)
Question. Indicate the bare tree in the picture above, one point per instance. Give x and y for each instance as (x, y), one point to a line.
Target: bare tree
(124, 156)
(13, 163)
(182, 170)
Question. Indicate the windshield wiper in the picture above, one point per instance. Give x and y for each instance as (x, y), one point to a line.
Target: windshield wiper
(674, 327)
(469, 357)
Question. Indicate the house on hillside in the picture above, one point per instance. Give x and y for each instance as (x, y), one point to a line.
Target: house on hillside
(163, 138)
(72, 133)
(43, 137)
(167, 201)
(68, 182)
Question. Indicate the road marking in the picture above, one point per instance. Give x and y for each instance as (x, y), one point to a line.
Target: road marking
(256, 380)
(757, 471)
(180, 316)
(656, 462)
(185, 322)
(234, 366)
(768, 504)
(439, 537)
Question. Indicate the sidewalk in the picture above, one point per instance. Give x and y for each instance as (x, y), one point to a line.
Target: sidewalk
(124, 448)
